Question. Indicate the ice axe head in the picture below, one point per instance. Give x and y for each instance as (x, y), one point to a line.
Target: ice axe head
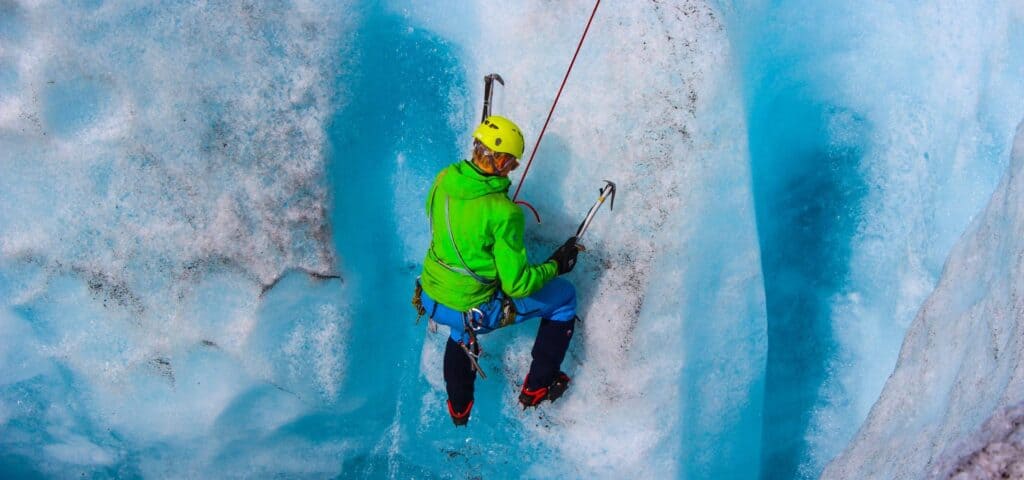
(609, 189)
(488, 81)
(494, 76)
(607, 192)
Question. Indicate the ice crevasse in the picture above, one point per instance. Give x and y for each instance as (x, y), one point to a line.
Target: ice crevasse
(961, 361)
(213, 215)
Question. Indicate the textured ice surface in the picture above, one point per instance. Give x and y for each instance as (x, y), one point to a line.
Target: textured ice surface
(995, 451)
(877, 130)
(132, 136)
(961, 360)
(162, 168)
(181, 182)
(669, 360)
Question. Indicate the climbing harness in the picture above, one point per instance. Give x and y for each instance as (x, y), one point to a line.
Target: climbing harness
(474, 326)
(473, 320)
(526, 170)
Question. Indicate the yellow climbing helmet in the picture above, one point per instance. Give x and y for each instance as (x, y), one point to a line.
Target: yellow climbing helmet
(500, 135)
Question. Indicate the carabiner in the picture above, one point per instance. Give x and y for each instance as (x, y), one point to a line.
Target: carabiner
(471, 315)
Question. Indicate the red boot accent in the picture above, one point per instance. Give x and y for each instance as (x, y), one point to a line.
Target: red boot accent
(532, 398)
(460, 418)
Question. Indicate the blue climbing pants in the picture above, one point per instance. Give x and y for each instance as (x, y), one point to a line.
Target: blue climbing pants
(556, 301)
(555, 305)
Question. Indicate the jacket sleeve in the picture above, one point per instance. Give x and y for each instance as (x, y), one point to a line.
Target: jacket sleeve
(518, 278)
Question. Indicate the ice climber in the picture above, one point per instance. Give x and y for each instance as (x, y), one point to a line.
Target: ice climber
(476, 277)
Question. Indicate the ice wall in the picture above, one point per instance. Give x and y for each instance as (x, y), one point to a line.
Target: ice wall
(961, 359)
(168, 271)
(669, 361)
(877, 131)
(171, 232)
(162, 175)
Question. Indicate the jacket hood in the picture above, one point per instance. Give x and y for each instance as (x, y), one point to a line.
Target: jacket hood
(462, 180)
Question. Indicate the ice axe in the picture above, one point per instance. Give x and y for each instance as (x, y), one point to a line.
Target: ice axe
(606, 192)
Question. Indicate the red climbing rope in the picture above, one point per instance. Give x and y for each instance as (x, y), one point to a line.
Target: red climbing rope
(551, 112)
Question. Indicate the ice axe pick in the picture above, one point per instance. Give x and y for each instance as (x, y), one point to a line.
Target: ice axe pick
(607, 192)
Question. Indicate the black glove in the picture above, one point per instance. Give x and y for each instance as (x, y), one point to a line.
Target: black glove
(565, 256)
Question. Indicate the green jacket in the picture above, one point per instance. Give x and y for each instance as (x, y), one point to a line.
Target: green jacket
(487, 228)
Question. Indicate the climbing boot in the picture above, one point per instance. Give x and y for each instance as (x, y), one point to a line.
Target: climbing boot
(531, 397)
(460, 419)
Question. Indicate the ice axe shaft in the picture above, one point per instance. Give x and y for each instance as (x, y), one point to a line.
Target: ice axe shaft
(607, 192)
(489, 92)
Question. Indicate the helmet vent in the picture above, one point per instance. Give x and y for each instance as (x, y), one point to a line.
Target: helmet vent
(497, 142)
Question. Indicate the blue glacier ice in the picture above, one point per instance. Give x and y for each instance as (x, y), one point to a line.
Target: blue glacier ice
(213, 215)
(961, 359)
(877, 132)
